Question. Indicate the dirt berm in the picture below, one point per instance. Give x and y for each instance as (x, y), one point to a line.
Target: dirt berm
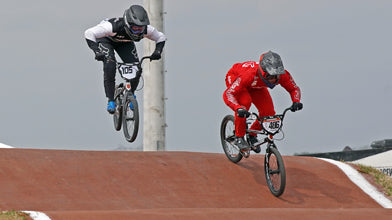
(174, 185)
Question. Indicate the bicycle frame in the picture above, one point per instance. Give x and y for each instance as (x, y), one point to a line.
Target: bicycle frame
(127, 111)
(129, 71)
(271, 125)
(274, 169)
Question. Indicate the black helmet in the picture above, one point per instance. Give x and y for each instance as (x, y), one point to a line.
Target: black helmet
(271, 63)
(136, 21)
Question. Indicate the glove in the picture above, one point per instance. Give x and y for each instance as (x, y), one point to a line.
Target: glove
(99, 56)
(296, 106)
(242, 113)
(156, 55)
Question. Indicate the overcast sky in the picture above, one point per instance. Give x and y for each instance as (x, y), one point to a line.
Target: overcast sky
(339, 53)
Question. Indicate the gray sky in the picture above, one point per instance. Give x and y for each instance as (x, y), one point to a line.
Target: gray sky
(338, 52)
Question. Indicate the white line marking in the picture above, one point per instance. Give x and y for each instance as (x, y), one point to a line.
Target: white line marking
(37, 215)
(362, 183)
(4, 146)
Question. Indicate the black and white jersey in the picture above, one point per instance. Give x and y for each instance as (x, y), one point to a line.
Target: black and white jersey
(114, 29)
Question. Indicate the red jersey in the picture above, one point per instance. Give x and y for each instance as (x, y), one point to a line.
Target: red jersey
(245, 76)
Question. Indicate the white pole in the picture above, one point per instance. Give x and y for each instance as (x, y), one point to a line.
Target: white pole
(154, 124)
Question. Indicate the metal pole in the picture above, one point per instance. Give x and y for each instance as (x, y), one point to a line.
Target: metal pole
(154, 124)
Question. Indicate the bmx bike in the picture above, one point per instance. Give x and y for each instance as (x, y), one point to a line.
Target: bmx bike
(127, 109)
(275, 173)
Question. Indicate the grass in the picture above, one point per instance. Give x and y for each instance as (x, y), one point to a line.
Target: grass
(380, 178)
(14, 215)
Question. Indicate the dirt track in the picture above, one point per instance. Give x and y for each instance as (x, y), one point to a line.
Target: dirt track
(174, 185)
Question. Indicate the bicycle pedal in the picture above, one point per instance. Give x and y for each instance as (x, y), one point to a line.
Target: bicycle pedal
(245, 152)
(256, 149)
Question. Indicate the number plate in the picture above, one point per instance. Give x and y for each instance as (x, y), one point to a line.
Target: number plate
(272, 125)
(128, 71)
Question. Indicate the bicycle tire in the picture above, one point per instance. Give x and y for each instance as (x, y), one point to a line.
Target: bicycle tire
(130, 118)
(117, 116)
(227, 133)
(275, 173)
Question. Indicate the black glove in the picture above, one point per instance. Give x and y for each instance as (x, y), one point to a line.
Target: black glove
(158, 50)
(296, 106)
(242, 113)
(156, 55)
(99, 56)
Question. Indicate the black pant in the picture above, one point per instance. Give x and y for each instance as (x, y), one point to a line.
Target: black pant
(128, 54)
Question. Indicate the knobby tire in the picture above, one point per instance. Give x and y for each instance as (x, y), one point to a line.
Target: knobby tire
(227, 133)
(130, 118)
(117, 116)
(275, 172)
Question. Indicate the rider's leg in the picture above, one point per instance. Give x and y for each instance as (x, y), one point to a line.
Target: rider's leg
(262, 100)
(109, 71)
(128, 54)
(242, 98)
(240, 123)
(109, 68)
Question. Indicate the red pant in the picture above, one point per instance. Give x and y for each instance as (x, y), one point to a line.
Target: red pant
(262, 101)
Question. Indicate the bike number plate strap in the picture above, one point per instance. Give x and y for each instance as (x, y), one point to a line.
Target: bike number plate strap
(272, 125)
(128, 71)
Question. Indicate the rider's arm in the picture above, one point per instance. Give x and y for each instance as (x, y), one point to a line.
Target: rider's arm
(243, 81)
(158, 37)
(287, 82)
(229, 95)
(103, 29)
(154, 34)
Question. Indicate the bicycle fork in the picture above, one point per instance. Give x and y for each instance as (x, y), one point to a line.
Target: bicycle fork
(118, 91)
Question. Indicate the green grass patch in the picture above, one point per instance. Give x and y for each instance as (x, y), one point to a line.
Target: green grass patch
(384, 180)
(13, 215)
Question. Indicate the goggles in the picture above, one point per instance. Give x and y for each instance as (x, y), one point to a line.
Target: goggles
(137, 29)
(270, 77)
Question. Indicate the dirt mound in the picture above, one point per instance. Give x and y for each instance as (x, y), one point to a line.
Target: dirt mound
(98, 184)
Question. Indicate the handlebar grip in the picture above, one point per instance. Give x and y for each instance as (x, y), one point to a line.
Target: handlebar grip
(146, 57)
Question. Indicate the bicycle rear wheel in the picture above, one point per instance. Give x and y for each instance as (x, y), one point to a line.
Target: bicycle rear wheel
(117, 116)
(275, 173)
(130, 118)
(227, 133)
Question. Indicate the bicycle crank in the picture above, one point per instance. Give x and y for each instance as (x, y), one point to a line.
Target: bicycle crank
(245, 152)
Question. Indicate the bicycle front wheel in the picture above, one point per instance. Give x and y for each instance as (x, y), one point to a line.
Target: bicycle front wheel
(275, 173)
(130, 118)
(227, 133)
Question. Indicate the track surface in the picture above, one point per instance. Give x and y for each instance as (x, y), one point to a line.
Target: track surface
(174, 185)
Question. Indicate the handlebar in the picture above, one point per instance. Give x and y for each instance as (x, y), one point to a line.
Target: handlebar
(143, 58)
(138, 63)
(273, 124)
(289, 108)
(260, 118)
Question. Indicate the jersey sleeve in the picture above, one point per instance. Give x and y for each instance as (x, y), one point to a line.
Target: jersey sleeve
(238, 78)
(154, 34)
(103, 29)
(287, 82)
